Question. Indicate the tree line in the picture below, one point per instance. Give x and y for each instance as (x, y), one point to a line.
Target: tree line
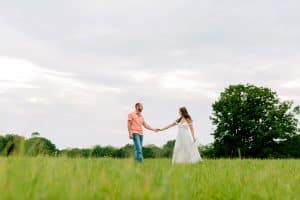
(15, 145)
(249, 122)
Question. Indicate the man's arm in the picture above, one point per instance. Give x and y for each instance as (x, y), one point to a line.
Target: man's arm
(129, 121)
(147, 126)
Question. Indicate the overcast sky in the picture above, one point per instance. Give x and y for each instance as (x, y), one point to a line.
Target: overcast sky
(72, 70)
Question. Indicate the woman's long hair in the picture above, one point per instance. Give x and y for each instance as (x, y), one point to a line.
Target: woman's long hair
(184, 114)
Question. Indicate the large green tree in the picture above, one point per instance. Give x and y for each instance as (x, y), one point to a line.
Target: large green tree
(249, 120)
(11, 145)
(39, 146)
(290, 148)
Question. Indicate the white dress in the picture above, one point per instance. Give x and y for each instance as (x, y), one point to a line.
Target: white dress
(185, 150)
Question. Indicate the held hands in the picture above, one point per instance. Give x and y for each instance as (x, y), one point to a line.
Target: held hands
(157, 130)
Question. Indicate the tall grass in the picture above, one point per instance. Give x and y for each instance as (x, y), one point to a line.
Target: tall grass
(63, 178)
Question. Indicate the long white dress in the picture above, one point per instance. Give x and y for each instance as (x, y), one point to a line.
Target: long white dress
(185, 150)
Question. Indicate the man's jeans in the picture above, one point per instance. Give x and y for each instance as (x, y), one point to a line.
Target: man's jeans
(138, 147)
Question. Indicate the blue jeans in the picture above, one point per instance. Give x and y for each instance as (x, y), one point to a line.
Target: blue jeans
(138, 147)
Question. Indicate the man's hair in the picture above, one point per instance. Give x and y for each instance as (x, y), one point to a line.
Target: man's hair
(137, 104)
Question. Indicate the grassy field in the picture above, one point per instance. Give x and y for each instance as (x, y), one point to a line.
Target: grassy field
(62, 178)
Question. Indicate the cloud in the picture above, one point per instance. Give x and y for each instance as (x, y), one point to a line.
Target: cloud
(17, 74)
(188, 81)
(38, 100)
(294, 84)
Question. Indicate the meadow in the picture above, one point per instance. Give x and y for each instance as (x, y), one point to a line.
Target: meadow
(65, 178)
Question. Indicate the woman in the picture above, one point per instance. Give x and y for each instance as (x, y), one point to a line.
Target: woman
(185, 150)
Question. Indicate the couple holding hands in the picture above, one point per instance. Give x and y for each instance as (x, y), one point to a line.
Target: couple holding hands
(185, 150)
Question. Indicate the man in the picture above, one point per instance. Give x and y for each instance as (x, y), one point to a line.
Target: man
(135, 129)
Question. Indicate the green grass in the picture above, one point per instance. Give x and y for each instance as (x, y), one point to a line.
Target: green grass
(63, 178)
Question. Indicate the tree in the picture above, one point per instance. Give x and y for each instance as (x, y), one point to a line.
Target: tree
(3, 143)
(207, 151)
(289, 148)
(99, 151)
(35, 134)
(39, 146)
(151, 151)
(11, 145)
(124, 152)
(168, 149)
(75, 153)
(248, 119)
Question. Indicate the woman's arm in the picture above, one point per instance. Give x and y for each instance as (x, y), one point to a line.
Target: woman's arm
(192, 131)
(169, 126)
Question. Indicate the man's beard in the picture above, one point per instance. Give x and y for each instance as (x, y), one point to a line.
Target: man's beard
(140, 110)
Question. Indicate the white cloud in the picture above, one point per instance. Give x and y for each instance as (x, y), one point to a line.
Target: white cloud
(38, 100)
(21, 73)
(140, 76)
(16, 73)
(47, 86)
(294, 84)
(188, 81)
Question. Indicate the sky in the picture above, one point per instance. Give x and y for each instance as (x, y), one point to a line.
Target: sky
(73, 70)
